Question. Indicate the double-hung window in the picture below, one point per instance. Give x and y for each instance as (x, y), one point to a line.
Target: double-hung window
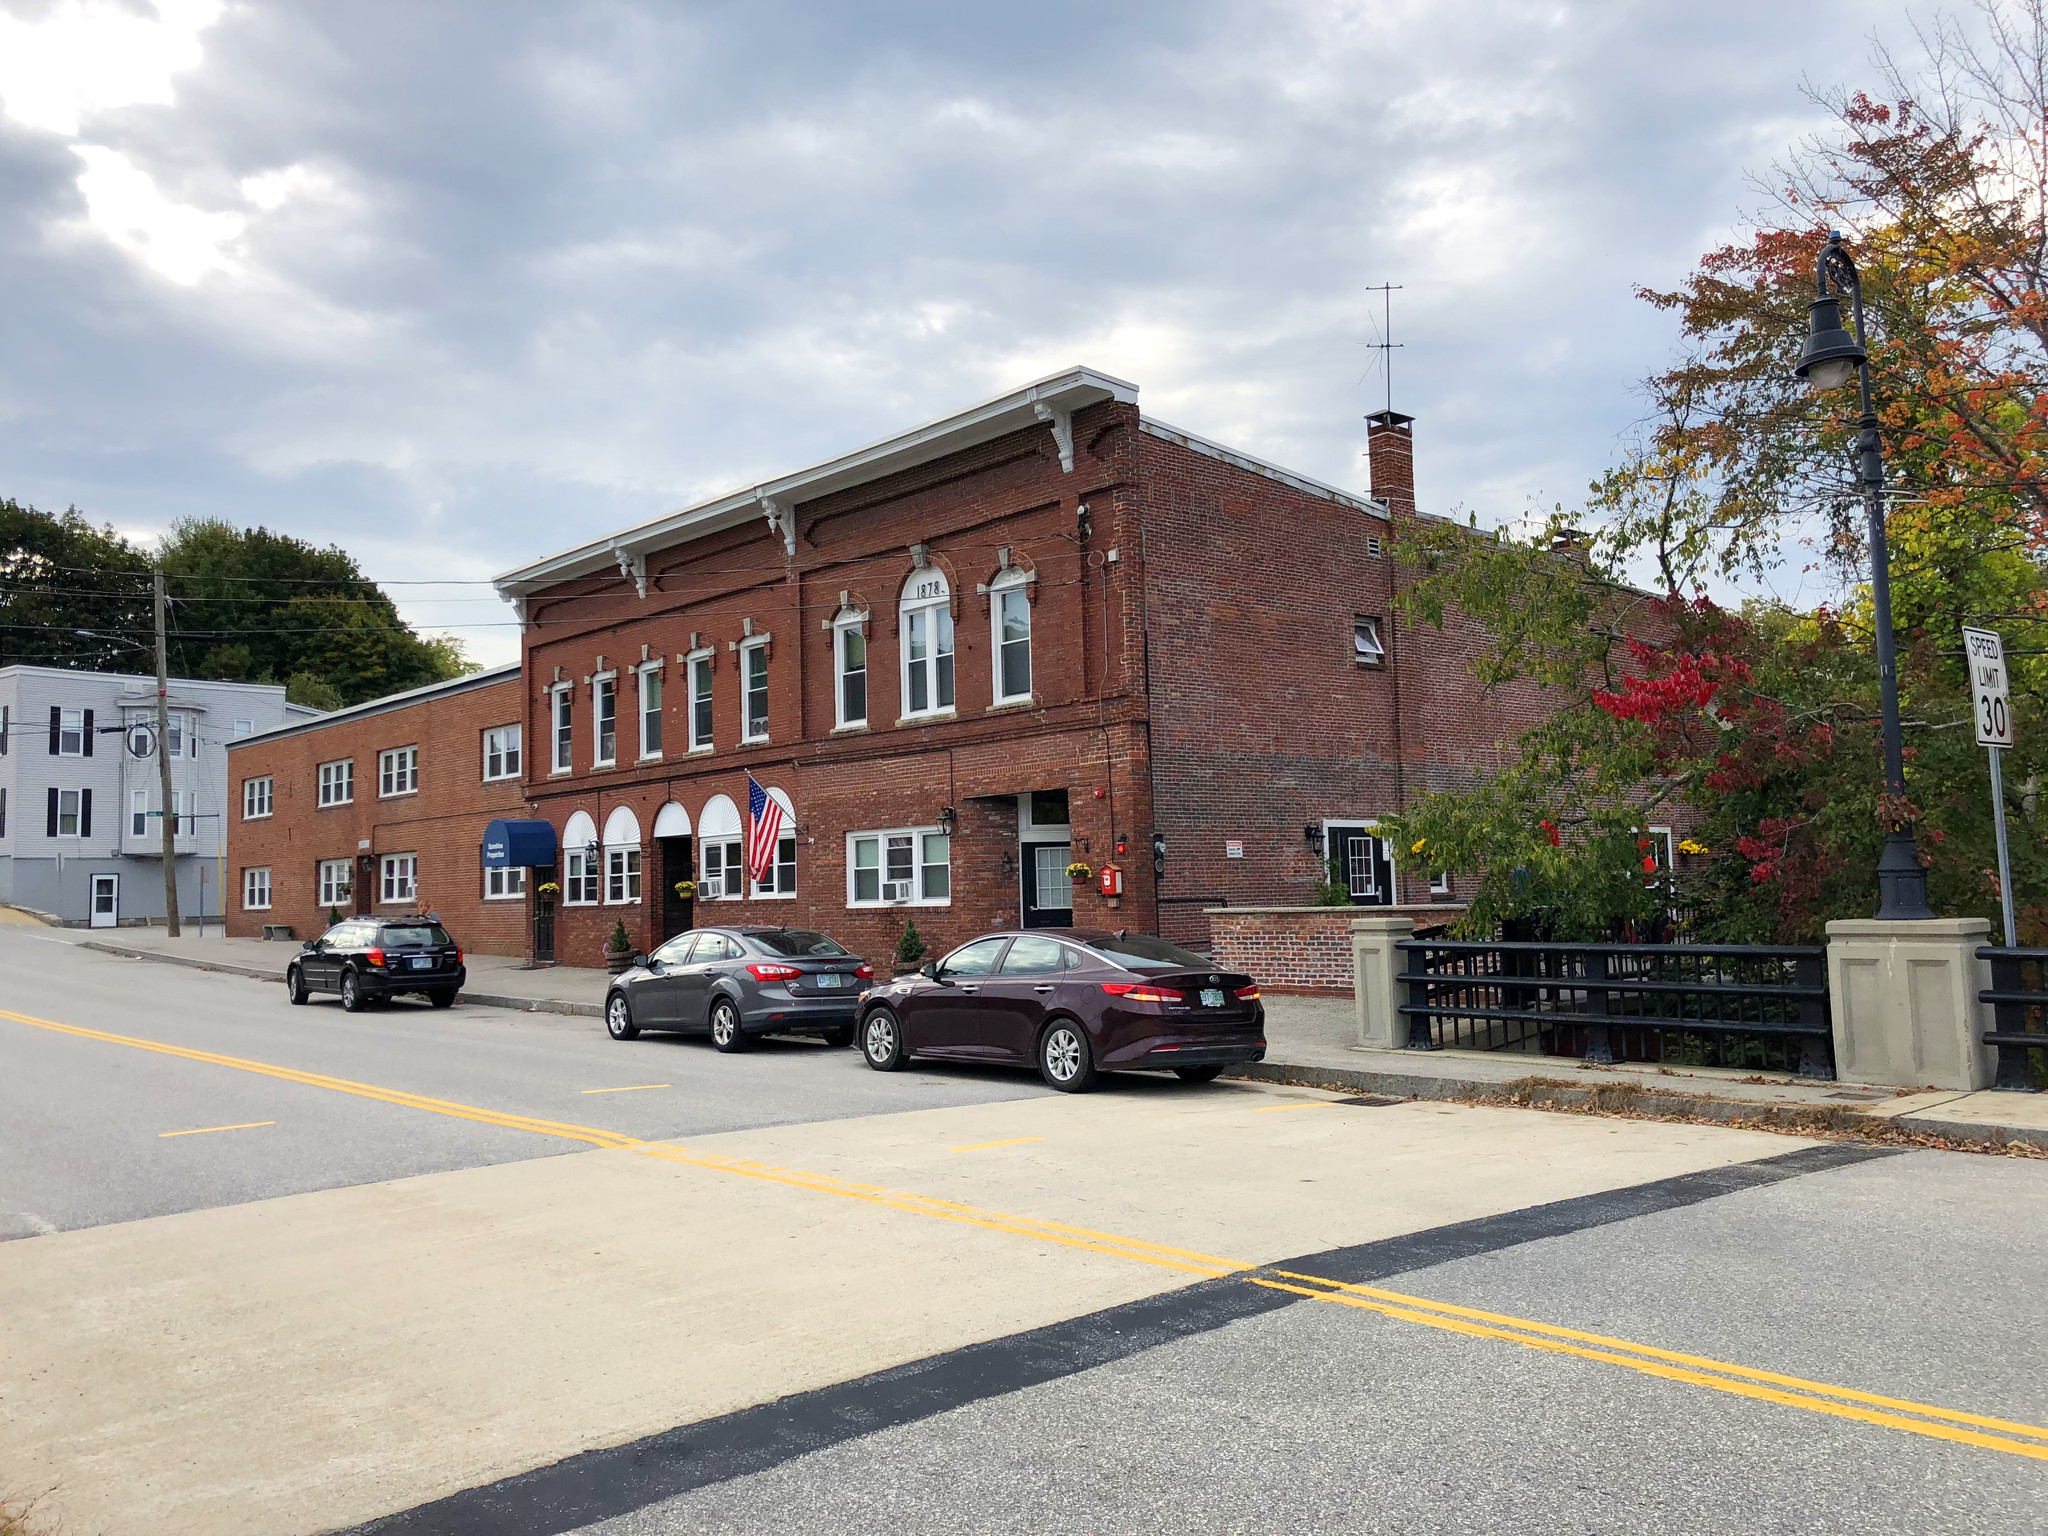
(256, 890)
(138, 813)
(400, 878)
(927, 630)
(564, 708)
(71, 733)
(781, 881)
(338, 782)
(70, 812)
(725, 871)
(255, 798)
(754, 690)
(1010, 610)
(398, 772)
(504, 883)
(701, 719)
(650, 710)
(337, 881)
(501, 752)
(850, 665)
(909, 866)
(604, 697)
(579, 879)
(622, 875)
(184, 740)
(184, 815)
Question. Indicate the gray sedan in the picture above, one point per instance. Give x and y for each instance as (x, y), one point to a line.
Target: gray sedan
(736, 983)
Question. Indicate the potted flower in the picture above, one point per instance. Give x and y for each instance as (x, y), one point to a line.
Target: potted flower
(910, 949)
(1079, 873)
(547, 890)
(685, 889)
(618, 950)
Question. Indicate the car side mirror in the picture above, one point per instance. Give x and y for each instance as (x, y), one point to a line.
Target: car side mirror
(653, 965)
(312, 946)
(930, 971)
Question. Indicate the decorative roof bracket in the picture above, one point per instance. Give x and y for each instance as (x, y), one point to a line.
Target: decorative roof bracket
(634, 569)
(1062, 431)
(780, 521)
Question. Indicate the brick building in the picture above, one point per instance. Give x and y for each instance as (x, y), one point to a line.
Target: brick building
(1046, 630)
(381, 808)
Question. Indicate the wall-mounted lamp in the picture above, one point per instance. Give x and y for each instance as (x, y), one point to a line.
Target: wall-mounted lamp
(1313, 836)
(948, 820)
(1009, 865)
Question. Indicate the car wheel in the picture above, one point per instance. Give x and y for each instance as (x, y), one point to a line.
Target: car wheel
(1064, 1059)
(881, 1041)
(840, 1038)
(352, 999)
(618, 1018)
(295, 986)
(1207, 1074)
(442, 997)
(726, 1033)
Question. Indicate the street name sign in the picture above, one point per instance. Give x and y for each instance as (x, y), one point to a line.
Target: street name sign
(1990, 696)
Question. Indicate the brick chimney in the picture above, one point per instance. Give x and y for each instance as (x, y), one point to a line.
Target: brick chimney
(1390, 453)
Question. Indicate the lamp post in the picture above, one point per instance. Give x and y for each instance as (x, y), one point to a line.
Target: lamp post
(1832, 355)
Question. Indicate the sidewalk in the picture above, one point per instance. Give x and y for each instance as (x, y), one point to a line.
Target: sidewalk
(1310, 1042)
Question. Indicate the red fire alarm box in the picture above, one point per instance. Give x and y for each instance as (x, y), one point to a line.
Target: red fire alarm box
(1112, 880)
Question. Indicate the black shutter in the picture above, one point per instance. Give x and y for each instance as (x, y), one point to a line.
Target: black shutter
(85, 813)
(5, 711)
(56, 724)
(53, 810)
(88, 733)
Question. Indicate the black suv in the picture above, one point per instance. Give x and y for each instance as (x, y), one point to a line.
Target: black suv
(371, 958)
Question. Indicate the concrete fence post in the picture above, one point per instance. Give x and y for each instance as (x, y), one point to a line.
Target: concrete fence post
(1903, 999)
(1377, 989)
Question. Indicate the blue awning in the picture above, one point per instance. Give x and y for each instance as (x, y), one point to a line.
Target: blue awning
(519, 845)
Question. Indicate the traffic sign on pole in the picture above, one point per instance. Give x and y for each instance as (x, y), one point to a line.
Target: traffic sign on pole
(1991, 704)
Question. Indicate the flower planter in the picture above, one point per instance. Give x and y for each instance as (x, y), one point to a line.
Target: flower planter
(618, 964)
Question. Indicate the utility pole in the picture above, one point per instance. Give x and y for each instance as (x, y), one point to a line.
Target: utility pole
(163, 762)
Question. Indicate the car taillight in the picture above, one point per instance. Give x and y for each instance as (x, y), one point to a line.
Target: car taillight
(774, 972)
(1137, 992)
(458, 961)
(1248, 994)
(375, 957)
(865, 972)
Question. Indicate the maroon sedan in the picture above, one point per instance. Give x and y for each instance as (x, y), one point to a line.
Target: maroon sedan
(1074, 1003)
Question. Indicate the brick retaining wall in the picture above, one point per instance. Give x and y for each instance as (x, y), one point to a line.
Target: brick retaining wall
(1299, 949)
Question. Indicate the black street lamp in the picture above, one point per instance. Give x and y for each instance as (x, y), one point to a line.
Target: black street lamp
(1831, 356)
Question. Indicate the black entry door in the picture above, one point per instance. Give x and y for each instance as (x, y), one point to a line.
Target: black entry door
(543, 916)
(1360, 862)
(677, 865)
(1048, 893)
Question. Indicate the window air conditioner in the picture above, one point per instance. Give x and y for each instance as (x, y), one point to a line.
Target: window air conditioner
(895, 890)
(711, 887)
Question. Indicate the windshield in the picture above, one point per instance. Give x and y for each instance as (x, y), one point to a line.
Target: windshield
(797, 941)
(416, 933)
(1142, 952)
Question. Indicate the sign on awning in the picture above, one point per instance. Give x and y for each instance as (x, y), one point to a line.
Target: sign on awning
(519, 845)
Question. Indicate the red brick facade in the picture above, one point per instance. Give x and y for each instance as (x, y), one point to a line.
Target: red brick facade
(1296, 949)
(440, 823)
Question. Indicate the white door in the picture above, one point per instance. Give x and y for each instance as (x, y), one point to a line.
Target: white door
(106, 900)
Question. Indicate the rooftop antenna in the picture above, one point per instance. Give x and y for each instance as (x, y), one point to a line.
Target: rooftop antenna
(1386, 346)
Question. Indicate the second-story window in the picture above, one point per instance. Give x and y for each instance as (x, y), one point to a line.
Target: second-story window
(1367, 649)
(501, 752)
(138, 813)
(754, 683)
(70, 732)
(1010, 608)
(650, 710)
(398, 771)
(256, 798)
(565, 729)
(850, 653)
(927, 631)
(604, 694)
(338, 782)
(700, 702)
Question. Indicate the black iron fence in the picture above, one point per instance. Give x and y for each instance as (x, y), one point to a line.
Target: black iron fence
(1744, 1006)
(2019, 1004)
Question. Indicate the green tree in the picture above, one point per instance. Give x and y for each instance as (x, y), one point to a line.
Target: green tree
(71, 594)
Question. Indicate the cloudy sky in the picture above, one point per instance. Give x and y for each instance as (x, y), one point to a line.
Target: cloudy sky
(454, 284)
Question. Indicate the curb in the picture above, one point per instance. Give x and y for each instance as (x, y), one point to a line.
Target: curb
(1626, 1098)
(257, 973)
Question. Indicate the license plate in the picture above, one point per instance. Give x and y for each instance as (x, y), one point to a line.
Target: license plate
(831, 979)
(1212, 997)
(423, 962)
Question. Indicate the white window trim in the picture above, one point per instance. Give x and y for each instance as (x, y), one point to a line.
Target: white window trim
(384, 863)
(597, 681)
(905, 607)
(754, 891)
(604, 874)
(747, 650)
(391, 755)
(269, 798)
(1378, 657)
(320, 783)
(77, 812)
(856, 623)
(64, 730)
(1015, 581)
(264, 904)
(327, 896)
(498, 730)
(1440, 883)
(729, 889)
(641, 673)
(138, 810)
(568, 885)
(917, 867)
(518, 895)
(556, 766)
(693, 747)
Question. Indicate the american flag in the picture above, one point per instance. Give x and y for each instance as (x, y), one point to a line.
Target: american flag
(764, 814)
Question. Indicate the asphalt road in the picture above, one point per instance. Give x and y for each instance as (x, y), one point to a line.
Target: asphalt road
(82, 1124)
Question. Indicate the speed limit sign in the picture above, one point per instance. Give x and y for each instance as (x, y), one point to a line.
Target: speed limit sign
(1990, 702)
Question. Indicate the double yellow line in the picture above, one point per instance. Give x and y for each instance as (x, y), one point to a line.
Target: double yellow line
(1743, 1381)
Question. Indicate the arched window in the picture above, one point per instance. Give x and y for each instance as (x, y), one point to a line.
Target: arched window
(927, 638)
(1009, 603)
(671, 821)
(621, 857)
(580, 861)
(781, 881)
(724, 857)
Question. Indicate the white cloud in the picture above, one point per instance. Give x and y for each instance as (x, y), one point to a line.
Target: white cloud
(179, 241)
(88, 56)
